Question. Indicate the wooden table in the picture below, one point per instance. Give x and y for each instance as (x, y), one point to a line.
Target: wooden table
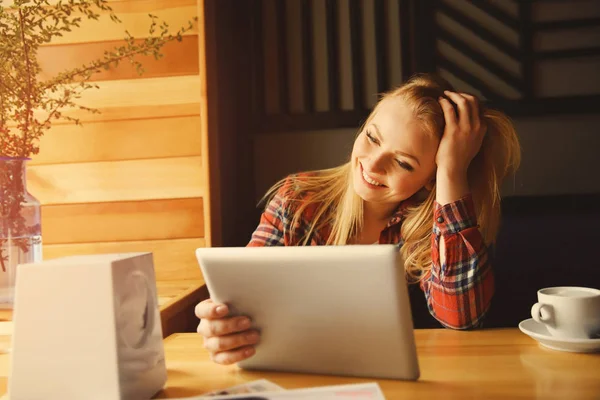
(176, 301)
(487, 364)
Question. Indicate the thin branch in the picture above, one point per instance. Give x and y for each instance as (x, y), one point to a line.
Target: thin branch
(2, 112)
(29, 78)
(8, 88)
(69, 76)
(61, 103)
(2, 256)
(56, 12)
(45, 17)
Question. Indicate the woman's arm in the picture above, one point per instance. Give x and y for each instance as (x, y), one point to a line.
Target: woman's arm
(460, 286)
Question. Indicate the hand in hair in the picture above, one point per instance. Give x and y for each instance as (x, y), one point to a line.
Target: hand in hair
(462, 135)
(227, 339)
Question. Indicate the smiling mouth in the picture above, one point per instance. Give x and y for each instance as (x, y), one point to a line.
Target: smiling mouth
(370, 180)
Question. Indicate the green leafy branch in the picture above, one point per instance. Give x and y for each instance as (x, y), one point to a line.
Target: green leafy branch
(24, 27)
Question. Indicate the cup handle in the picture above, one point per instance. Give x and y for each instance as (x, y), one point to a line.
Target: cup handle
(541, 313)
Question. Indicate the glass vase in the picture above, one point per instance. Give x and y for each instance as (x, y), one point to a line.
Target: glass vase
(20, 225)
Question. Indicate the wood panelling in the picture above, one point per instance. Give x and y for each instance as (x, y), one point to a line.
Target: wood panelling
(180, 58)
(134, 17)
(174, 259)
(136, 99)
(134, 111)
(210, 166)
(123, 221)
(132, 177)
(121, 140)
(166, 178)
(140, 98)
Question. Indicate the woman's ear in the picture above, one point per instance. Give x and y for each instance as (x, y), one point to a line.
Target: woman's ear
(430, 185)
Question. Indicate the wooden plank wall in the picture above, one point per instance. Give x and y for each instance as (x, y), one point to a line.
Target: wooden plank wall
(131, 178)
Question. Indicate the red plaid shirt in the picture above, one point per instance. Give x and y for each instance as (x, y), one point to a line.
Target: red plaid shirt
(458, 293)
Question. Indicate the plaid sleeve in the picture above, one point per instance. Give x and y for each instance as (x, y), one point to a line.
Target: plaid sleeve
(270, 230)
(459, 292)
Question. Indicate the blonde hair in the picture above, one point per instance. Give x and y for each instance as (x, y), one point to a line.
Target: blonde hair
(339, 207)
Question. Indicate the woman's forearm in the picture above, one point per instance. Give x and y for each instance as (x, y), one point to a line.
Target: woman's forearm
(450, 186)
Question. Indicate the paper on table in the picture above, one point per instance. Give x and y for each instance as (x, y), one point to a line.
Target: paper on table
(360, 391)
(261, 385)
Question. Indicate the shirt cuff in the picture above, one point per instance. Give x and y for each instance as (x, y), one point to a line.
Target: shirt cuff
(454, 217)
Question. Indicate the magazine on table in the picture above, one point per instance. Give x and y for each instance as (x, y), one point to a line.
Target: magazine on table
(267, 390)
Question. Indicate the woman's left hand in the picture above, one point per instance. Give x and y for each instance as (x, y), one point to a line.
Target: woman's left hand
(462, 136)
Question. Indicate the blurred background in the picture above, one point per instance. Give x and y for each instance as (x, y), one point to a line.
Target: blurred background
(295, 79)
(179, 157)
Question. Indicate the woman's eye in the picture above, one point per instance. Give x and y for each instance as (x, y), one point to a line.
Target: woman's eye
(371, 138)
(405, 165)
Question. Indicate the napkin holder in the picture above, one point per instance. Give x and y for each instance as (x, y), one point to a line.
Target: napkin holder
(87, 327)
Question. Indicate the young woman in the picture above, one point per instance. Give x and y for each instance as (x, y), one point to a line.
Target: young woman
(425, 173)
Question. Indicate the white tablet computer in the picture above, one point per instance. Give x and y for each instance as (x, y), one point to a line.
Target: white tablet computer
(341, 310)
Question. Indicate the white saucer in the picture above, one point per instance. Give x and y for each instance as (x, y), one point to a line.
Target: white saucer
(540, 333)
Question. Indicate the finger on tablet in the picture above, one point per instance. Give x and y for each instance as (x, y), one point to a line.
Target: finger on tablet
(231, 342)
(211, 310)
(233, 356)
(223, 326)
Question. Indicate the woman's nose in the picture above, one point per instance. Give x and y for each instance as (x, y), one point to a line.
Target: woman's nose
(376, 162)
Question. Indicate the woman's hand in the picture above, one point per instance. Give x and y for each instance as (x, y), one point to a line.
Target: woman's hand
(462, 136)
(228, 339)
(461, 141)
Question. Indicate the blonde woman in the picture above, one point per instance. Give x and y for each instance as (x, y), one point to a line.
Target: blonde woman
(425, 173)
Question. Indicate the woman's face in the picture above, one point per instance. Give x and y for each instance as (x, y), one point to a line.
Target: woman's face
(393, 157)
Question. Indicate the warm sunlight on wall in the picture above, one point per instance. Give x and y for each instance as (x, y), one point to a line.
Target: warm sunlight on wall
(130, 178)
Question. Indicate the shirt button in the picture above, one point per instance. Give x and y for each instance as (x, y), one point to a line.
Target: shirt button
(440, 220)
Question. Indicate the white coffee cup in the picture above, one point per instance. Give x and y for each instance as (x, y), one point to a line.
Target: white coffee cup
(569, 312)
